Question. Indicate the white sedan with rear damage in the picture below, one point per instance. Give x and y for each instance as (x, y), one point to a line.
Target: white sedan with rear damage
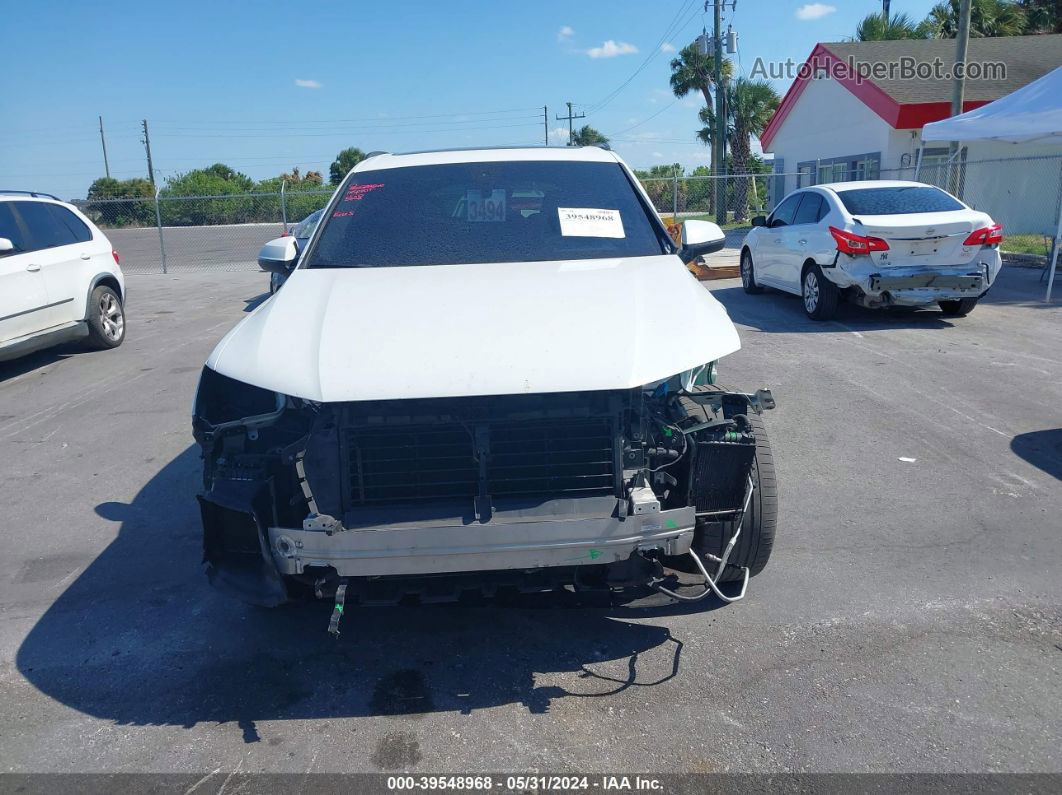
(879, 243)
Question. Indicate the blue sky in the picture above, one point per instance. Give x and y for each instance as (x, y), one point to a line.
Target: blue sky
(267, 86)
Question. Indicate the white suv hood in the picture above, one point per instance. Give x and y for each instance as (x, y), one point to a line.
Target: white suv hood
(343, 334)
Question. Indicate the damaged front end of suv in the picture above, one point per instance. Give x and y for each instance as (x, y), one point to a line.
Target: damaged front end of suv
(491, 370)
(431, 498)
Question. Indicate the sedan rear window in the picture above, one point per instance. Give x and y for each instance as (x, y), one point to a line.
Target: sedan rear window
(898, 201)
(514, 211)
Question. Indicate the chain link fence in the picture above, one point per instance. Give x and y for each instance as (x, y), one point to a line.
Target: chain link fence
(180, 233)
(163, 234)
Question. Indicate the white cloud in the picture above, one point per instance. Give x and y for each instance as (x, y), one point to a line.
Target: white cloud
(667, 47)
(307, 83)
(814, 11)
(565, 33)
(658, 155)
(559, 134)
(610, 49)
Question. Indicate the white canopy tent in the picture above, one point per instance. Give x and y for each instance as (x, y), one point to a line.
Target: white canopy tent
(1032, 114)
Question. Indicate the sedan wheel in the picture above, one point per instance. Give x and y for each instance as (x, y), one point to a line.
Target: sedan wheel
(820, 294)
(748, 275)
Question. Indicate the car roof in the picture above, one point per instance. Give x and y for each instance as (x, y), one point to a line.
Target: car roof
(871, 183)
(29, 196)
(582, 154)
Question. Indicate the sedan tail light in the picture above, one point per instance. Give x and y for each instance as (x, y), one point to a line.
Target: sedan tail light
(857, 245)
(988, 236)
(114, 253)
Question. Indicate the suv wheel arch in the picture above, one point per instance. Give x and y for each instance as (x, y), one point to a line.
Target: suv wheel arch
(107, 280)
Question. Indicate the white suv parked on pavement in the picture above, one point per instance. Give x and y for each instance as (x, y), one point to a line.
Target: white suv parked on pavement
(489, 369)
(879, 243)
(59, 277)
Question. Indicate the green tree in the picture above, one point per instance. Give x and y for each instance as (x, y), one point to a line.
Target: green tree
(750, 105)
(106, 209)
(693, 71)
(1042, 16)
(216, 194)
(217, 179)
(874, 27)
(987, 18)
(303, 193)
(588, 136)
(344, 162)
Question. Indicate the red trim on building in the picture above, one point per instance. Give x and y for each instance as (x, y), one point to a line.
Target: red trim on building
(897, 116)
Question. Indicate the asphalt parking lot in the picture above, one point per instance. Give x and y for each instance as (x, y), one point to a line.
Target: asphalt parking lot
(909, 620)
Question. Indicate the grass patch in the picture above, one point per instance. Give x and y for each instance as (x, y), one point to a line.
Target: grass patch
(1026, 244)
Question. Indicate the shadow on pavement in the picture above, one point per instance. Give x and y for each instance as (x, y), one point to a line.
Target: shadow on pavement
(42, 358)
(251, 304)
(1042, 449)
(140, 639)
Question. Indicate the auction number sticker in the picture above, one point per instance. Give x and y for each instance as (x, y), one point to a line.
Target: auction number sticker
(588, 222)
(486, 208)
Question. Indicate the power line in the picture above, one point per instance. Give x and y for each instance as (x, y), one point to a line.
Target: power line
(335, 133)
(670, 31)
(347, 121)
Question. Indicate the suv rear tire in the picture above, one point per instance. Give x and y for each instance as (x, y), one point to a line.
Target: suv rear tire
(960, 307)
(106, 319)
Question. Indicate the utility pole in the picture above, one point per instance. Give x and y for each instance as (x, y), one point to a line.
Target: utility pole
(147, 146)
(718, 153)
(962, 44)
(106, 168)
(885, 10)
(545, 122)
(570, 117)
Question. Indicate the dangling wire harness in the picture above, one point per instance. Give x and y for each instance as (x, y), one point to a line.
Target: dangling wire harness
(710, 582)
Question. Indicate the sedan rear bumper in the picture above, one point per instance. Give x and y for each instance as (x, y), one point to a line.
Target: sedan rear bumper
(907, 285)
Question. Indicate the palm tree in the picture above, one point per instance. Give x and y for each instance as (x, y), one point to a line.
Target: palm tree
(750, 105)
(694, 71)
(875, 27)
(987, 18)
(588, 136)
(1042, 16)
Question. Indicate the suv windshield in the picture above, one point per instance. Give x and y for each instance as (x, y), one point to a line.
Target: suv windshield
(898, 201)
(513, 211)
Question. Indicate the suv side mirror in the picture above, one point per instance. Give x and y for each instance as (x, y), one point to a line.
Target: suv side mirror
(279, 255)
(700, 238)
(759, 220)
(6, 246)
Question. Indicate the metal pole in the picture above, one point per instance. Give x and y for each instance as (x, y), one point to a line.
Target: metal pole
(545, 123)
(918, 162)
(283, 204)
(1053, 259)
(962, 45)
(103, 141)
(720, 115)
(674, 197)
(158, 221)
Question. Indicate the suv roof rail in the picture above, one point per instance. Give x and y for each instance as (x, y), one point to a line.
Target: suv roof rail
(377, 152)
(35, 194)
